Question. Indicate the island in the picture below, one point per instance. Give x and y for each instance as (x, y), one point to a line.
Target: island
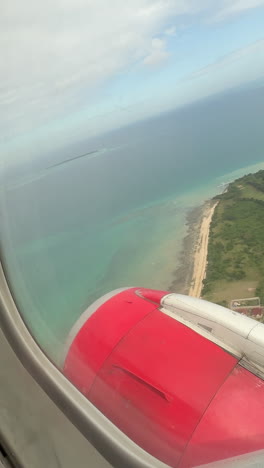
(233, 275)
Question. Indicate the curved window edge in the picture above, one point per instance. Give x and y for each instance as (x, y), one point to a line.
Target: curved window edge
(107, 439)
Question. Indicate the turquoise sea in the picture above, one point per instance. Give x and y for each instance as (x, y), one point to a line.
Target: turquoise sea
(117, 217)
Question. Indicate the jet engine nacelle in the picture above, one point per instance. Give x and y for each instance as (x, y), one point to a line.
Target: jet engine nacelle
(183, 378)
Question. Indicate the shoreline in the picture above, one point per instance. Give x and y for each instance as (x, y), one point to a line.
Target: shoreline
(201, 251)
(189, 276)
(182, 275)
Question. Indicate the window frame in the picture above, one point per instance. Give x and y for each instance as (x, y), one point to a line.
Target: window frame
(107, 439)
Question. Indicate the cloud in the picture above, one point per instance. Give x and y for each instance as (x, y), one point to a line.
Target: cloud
(233, 7)
(171, 31)
(242, 55)
(158, 53)
(242, 67)
(56, 56)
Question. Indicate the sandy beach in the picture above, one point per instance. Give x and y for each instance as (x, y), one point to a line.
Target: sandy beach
(200, 254)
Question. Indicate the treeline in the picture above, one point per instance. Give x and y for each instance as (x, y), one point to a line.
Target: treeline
(256, 180)
(232, 193)
(236, 241)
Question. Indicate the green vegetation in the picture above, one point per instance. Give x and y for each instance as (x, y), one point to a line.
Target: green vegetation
(236, 243)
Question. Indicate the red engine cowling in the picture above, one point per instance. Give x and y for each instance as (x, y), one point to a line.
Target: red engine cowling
(176, 393)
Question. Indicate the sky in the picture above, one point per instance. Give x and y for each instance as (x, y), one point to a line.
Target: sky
(72, 69)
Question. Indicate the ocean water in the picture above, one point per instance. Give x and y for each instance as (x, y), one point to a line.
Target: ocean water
(72, 232)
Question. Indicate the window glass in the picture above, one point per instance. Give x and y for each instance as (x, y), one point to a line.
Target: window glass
(123, 128)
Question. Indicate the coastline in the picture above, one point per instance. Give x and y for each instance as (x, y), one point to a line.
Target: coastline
(200, 256)
(188, 278)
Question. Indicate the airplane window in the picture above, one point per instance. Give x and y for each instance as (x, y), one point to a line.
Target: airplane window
(131, 188)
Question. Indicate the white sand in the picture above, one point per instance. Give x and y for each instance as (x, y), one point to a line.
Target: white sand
(200, 256)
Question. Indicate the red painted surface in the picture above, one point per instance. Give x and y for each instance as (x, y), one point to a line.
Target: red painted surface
(149, 374)
(256, 311)
(100, 334)
(233, 423)
(157, 383)
(178, 395)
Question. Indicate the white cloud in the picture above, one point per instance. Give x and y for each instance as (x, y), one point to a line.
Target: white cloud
(57, 54)
(158, 52)
(171, 31)
(242, 55)
(233, 7)
(241, 67)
